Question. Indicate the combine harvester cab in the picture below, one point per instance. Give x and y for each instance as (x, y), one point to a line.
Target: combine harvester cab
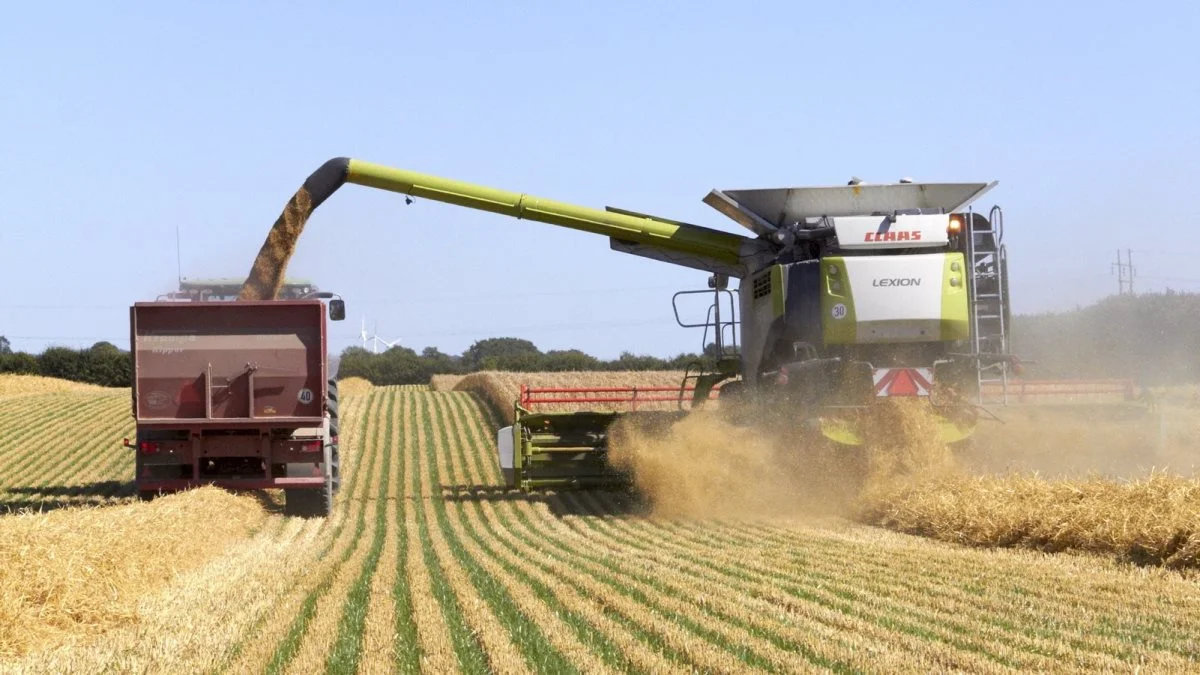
(890, 290)
(235, 394)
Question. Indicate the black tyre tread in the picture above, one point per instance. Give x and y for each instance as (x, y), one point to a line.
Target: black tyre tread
(336, 470)
(308, 503)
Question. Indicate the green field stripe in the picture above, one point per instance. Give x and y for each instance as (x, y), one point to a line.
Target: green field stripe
(587, 634)
(646, 634)
(99, 459)
(488, 424)
(882, 589)
(745, 654)
(533, 644)
(484, 417)
(834, 600)
(351, 483)
(884, 575)
(29, 460)
(346, 653)
(289, 646)
(42, 470)
(845, 601)
(1136, 631)
(467, 647)
(101, 424)
(35, 417)
(489, 470)
(407, 642)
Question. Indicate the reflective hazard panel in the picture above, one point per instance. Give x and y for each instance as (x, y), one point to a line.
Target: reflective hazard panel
(903, 381)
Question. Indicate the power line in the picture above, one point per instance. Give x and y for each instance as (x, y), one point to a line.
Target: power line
(1125, 272)
(595, 325)
(412, 300)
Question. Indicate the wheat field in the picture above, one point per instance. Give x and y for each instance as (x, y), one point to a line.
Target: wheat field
(429, 565)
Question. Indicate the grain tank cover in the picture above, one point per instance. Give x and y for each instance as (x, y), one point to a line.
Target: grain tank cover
(217, 363)
(785, 206)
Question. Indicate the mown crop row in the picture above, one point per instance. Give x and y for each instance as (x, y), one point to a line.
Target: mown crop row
(429, 564)
(64, 449)
(493, 580)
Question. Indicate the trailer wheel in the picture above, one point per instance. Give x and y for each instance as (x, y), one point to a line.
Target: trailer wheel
(146, 495)
(313, 503)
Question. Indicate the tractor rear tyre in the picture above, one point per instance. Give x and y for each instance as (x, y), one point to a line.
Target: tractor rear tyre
(313, 503)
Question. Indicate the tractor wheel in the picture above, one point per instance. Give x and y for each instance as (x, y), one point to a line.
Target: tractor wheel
(331, 405)
(335, 469)
(331, 401)
(313, 503)
(331, 390)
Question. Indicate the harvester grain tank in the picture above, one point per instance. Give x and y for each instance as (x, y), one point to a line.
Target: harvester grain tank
(848, 294)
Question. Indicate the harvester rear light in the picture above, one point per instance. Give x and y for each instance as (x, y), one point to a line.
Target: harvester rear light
(955, 226)
(148, 448)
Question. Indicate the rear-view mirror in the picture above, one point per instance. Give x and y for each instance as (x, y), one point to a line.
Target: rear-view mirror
(337, 309)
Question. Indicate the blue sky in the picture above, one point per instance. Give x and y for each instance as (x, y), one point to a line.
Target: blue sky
(120, 122)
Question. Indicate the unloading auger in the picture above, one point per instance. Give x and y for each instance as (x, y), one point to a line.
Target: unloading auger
(847, 295)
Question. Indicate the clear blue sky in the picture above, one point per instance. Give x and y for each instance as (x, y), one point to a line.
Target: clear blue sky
(121, 121)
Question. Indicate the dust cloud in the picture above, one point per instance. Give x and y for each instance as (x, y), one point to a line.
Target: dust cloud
(707, 466)
(1074, 440)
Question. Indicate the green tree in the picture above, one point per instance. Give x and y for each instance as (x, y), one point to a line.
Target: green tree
(19, 363)
(568, 360)
(502, 354)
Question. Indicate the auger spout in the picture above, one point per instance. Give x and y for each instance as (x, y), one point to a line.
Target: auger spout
(269, 267)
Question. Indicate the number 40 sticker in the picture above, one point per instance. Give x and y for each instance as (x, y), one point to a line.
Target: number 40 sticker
(839, 311)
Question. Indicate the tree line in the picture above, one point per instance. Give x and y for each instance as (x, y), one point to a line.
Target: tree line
(401, 365)
(1153, 338)
(103, 363)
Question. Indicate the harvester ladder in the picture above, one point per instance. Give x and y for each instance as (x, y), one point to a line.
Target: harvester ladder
(724, 326)
(987, 257)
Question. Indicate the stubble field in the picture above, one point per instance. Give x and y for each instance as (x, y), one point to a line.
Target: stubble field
(428, 564)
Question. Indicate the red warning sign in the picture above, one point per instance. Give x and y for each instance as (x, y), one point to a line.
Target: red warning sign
(903, 381)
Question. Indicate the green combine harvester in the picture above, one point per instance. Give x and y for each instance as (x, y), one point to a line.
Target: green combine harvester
(846, 295)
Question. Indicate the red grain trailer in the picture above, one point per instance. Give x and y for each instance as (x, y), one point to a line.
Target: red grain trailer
(236, 394)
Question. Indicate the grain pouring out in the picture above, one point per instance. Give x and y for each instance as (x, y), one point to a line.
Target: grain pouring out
(270, 266)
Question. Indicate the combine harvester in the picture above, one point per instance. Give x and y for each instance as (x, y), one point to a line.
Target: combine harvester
(847, 295)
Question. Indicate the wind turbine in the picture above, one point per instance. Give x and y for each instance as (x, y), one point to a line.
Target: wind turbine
(375, 339)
